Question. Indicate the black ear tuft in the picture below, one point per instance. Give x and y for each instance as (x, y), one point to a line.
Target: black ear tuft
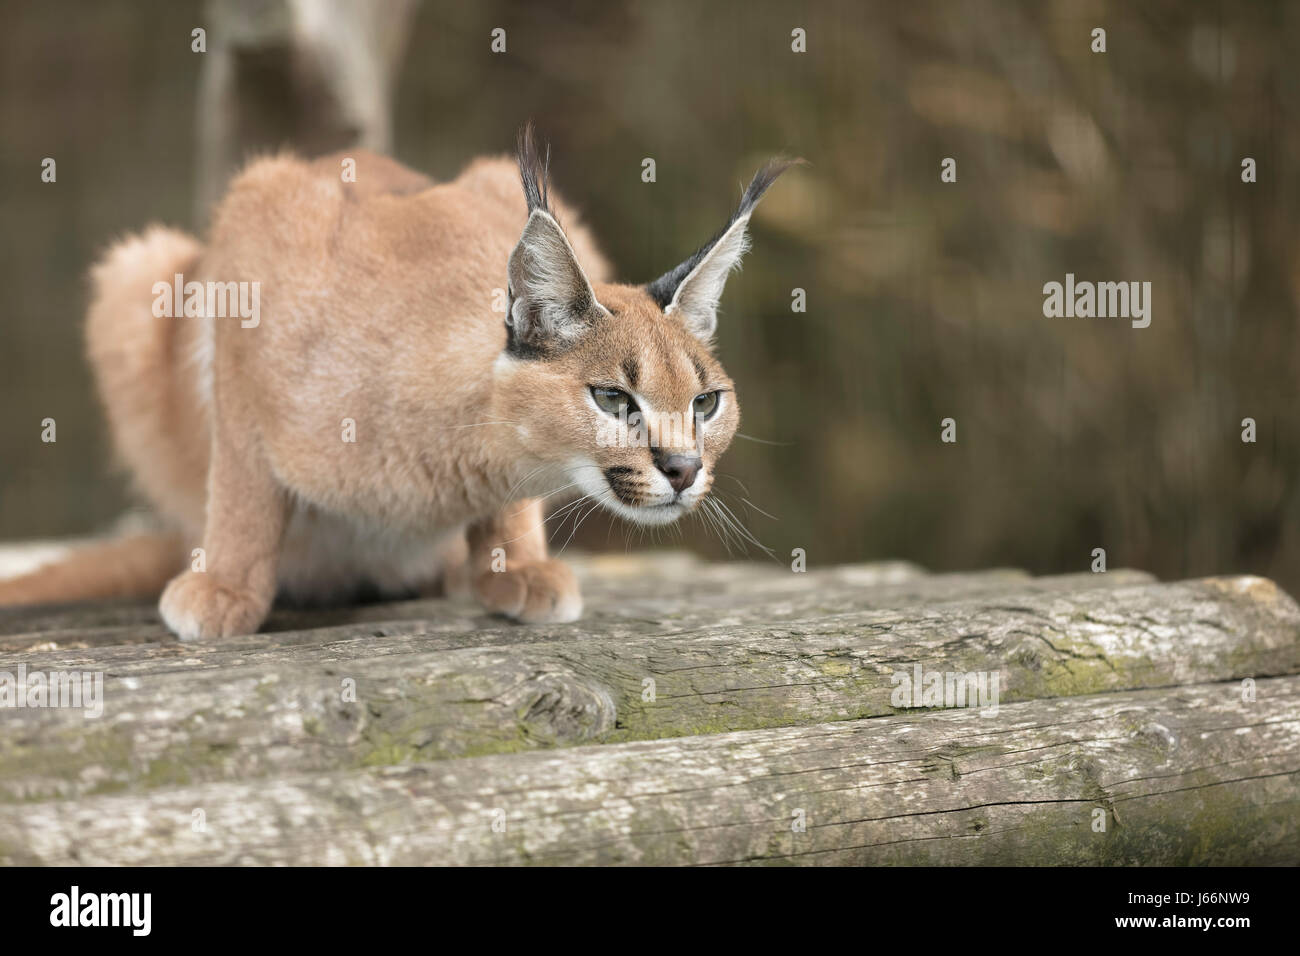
(764, 178)
(534, 170)
(664, 288)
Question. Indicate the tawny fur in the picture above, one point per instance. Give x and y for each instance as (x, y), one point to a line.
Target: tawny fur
(377, 306)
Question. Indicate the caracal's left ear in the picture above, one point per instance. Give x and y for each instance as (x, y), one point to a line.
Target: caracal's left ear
(693, 289)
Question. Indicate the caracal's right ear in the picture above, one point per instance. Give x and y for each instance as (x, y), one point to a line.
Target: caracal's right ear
(550, 300)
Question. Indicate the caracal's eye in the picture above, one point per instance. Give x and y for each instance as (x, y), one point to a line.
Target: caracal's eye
(705, 405)
(613, 401)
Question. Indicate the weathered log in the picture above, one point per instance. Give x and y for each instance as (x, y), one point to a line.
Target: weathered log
(281, 708)
(665, 592)
(672, 603)
(1191, 775)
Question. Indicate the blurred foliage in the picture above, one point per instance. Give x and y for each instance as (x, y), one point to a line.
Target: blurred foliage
(924, 298)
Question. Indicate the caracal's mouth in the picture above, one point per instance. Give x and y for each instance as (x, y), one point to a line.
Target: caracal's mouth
(647, 514)
(634, 497)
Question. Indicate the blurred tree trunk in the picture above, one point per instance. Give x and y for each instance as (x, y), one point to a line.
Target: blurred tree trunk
(310, 75)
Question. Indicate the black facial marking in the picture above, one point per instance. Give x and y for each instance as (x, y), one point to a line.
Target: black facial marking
(625, 484)
(631, 370)
(700, 370)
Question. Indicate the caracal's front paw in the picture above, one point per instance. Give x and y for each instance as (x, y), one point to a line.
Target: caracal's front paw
(542, 593)
(196, 606)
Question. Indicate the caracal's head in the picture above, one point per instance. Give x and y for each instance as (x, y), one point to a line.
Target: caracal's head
(615, 388)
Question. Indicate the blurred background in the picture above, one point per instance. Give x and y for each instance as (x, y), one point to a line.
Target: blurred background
(924, 298)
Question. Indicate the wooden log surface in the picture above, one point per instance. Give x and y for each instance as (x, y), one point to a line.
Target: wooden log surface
(383, 733)
(664, 594)
(1188, 775)
(328, 699)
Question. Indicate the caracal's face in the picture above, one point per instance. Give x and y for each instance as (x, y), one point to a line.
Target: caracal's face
(634, 415)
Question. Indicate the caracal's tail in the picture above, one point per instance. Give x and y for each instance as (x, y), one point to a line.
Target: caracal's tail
(133, 566)
(149, 371)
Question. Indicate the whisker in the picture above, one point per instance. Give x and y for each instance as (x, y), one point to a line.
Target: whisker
(743, 487)
(510, 494)
(764, 441)
(759, 510)
(569, 509)
(545, 517)
(746, 501)
(706, 519)
(714, 525)
(578, 523)
(730, 516)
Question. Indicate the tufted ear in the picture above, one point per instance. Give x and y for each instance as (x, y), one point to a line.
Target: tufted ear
(550, 301)
(694, 288)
